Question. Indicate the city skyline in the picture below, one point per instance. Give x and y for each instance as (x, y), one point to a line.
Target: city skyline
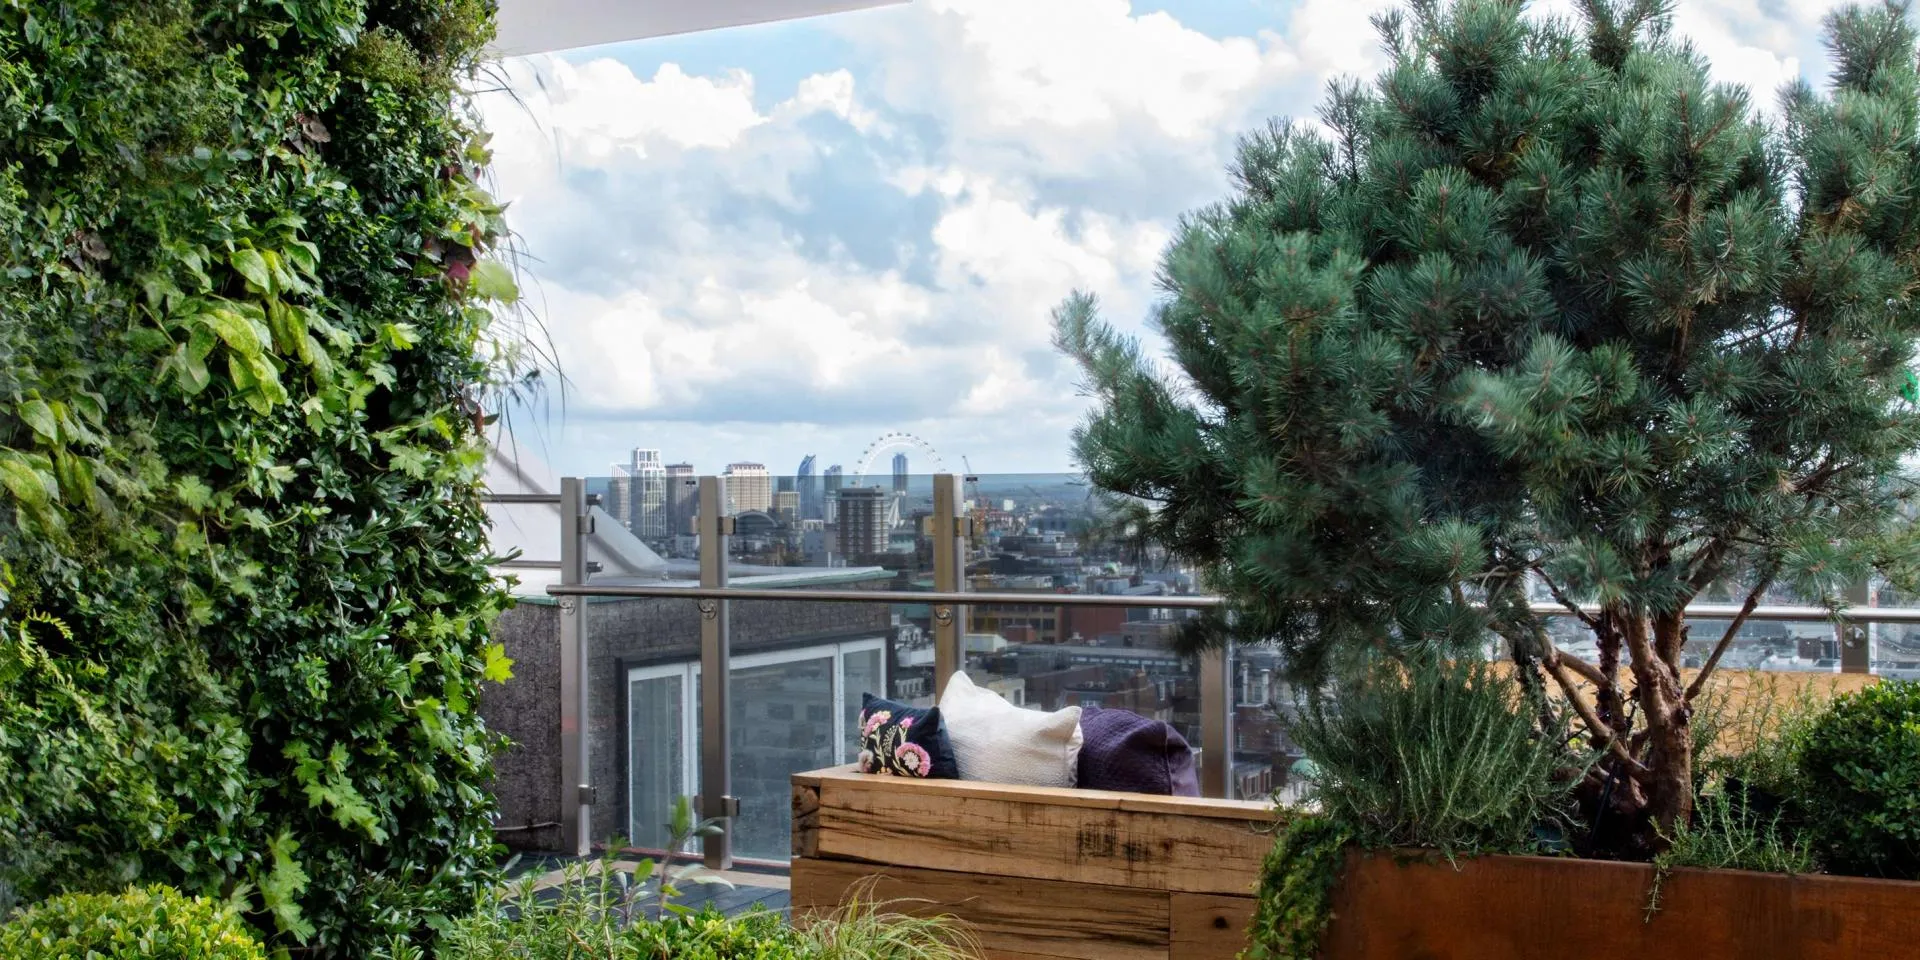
(812, 466)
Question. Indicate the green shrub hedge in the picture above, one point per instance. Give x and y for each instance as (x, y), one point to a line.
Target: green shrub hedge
(152, 923)
(244, 338)
(1859, 782)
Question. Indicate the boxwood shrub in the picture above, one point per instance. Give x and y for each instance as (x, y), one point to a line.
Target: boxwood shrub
(150, 923)
(1859, 782)
(244, 346)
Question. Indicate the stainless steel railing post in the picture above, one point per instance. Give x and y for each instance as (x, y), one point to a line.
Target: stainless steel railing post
(576, 785)
(716, 798)
(1216, 699)
(949, 576)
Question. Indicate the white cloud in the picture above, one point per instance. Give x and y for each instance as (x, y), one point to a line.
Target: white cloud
(879, 245)
(601, 106)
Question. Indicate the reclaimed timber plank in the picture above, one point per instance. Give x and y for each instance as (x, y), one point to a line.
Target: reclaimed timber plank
(1016, 834)
(1205, 926)
(806, 816)
(1246, 810)
(1013, 918)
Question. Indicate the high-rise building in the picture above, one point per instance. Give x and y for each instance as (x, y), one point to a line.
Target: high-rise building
(649, 514)
(899, 474)
(830, 500)
(683, 498)
(807, 485)
(786, 506)
(863, 521)
(749, 487)
(620, 494)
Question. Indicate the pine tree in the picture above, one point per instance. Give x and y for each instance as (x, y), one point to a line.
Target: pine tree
(1542, 307)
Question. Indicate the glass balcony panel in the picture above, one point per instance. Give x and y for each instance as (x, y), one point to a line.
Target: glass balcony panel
(657, 760)
(784, 718)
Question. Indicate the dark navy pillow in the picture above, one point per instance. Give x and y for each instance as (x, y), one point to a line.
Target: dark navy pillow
(1125, 751)
(902, 741)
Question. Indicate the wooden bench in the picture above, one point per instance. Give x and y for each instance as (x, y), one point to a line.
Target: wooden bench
(1037, 872)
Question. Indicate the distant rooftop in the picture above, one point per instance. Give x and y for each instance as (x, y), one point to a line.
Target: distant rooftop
(530, 533)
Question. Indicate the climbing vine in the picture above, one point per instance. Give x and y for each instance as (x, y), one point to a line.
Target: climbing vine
(1294, 902)
(246, 326)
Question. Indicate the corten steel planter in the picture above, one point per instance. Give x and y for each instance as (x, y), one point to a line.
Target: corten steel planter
(1510, 908)
(1092, 875)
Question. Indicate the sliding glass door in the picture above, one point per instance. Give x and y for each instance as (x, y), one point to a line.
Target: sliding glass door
(791, 710)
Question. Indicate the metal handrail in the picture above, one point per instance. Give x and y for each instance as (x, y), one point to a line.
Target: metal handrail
(1698, 611)
(949, 603)
(593, 499)
(1185, 601)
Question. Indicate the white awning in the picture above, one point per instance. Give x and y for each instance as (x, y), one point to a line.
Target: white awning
(540, 26)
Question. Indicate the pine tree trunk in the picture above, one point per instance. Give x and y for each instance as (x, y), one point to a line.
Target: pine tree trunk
(1669, 733)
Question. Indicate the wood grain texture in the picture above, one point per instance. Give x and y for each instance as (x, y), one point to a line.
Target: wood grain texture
(1202, 926)
(1535, 908)
(1013, 917)
(1099, 839)
(806, 818)
(1249, 810)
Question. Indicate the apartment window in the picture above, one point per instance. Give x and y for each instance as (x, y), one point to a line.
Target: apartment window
(769, 693)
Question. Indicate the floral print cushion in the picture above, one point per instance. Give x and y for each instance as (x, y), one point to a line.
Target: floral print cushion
(901, 741)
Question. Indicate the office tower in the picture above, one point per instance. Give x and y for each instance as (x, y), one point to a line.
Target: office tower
(807, 485)
(830, 500)
(620, 500)
(899, 474)
(863, 521)
(648, 519)
(786, 506)
(749, 487)
(683, 498)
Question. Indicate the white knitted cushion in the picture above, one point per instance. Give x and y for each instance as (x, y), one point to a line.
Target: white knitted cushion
(995, 741)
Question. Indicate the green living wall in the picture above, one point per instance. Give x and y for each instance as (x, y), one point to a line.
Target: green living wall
(244, 342)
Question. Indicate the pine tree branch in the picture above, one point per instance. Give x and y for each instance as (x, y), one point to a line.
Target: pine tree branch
(1706, 563)
(1726, 639)
(1572, 607)
(1633, 629)
(1761, 334)
(1601, 732)
(1579, 665)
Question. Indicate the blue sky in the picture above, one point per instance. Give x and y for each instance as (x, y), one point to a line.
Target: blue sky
(769, 241)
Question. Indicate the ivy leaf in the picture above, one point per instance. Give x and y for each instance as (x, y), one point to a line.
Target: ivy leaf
(283, 885)
(415, 462)
(499, 666)
(400, 336)
(334, 790)
(434, 725)
(193, 492)
(39, 416)
(493, 280)
(251, 265)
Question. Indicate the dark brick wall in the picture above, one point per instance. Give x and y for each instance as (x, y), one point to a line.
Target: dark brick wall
(622, 633)
(526, 776)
